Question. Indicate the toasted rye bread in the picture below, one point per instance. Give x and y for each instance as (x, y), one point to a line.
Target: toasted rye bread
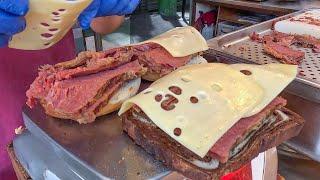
(263, 140)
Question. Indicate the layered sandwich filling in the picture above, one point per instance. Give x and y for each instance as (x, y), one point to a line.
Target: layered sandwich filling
(79, 97)
(229, 146)
(79, 88)
(158, 60)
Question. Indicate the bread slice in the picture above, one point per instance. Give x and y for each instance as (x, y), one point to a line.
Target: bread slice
(126, 91)
(148, 136)
(153, 76)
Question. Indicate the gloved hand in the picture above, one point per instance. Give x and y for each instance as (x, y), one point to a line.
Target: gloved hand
(11, 18)
(99, 8)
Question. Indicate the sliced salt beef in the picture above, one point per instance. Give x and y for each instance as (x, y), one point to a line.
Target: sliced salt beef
(73, 94)
(158, 59)
(282, 38)
(152, 56)
(255, 37)
(104, 61)
(80, 60)
(73, 97)
(308, 41)
(75, 89)
(221, 149)
(307, 20)
(284, 54)
(278, 44)
(41, 85)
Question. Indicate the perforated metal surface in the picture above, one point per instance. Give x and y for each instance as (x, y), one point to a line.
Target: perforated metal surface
(303, 94)
(253, 51)
(237, 47)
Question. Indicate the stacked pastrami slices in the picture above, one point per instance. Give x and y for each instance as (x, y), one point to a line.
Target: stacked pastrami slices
(207, 120)
(96, 83)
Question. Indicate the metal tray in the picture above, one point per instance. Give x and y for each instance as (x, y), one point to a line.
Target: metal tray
(238, 48)
(99, 150)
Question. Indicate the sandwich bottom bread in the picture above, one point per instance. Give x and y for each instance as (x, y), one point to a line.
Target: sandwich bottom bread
(207, 126)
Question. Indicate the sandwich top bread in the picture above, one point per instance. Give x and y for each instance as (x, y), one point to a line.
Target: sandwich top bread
(209, 119)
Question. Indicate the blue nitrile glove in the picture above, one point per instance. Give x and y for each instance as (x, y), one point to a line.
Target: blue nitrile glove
(99, 8)
(11, 18)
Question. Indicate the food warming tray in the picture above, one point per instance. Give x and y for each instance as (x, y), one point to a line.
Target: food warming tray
(303, 93)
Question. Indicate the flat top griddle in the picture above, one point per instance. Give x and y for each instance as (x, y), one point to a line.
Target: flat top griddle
(98, 150)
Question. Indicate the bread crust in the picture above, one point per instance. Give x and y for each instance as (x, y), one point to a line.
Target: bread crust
(262, 141)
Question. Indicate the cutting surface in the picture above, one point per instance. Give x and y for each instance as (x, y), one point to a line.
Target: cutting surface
(101, 145)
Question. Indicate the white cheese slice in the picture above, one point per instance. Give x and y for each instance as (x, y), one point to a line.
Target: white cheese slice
(300, 28)
(181, 41)
(224, 96)
(47, 23)
(273, 78)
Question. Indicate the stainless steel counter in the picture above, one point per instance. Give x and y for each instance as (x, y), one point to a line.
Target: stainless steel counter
(98, 150)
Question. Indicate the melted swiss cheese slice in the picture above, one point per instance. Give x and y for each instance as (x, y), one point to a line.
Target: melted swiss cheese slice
(273, 78)
(181, 41)
(47, 23)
